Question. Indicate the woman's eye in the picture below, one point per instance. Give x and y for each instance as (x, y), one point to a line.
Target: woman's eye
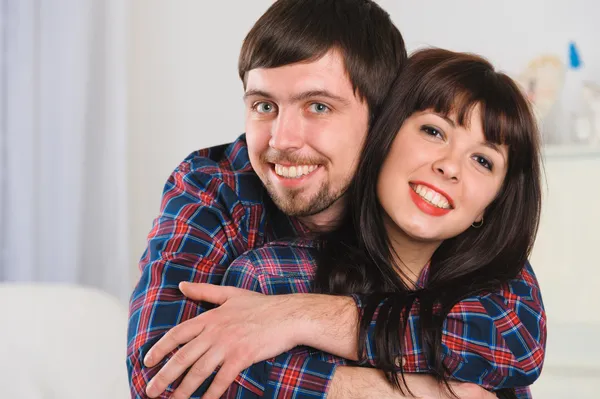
(264, 107)
(432, 131)
(483, 162)
(319, 108)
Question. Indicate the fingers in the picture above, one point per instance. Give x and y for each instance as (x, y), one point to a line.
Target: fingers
(209, 292)
(224, 378)
(178, 335)
(176, 366)
(199, 372)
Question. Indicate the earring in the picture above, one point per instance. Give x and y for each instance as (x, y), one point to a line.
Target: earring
(477, 224)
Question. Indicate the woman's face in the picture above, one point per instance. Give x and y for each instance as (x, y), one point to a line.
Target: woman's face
(439, 177)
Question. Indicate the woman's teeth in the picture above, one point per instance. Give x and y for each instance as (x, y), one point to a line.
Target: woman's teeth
(294, 172)
(431, 196)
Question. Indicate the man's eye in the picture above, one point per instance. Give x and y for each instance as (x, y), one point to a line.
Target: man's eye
(432, 131)
(264, 107)
(319, 108)
(483, 162)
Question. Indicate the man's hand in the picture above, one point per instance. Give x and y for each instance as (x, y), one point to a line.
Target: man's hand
(363, 383)
(246, 328)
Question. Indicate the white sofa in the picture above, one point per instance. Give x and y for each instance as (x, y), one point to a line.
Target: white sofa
(61, 342)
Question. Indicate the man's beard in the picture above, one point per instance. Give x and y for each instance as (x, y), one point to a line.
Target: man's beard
(292, 203)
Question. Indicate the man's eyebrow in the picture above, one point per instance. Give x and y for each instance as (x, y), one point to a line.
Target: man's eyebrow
(319, 93)
(256, 93)
(305, 95)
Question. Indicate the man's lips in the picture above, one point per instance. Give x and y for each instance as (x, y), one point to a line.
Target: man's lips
(282, 175)
(294, 171)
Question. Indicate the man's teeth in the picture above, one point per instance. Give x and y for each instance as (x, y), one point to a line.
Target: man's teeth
(431, 196)
(294, 172)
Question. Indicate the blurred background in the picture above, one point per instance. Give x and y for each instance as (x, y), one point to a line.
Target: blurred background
(101, 99)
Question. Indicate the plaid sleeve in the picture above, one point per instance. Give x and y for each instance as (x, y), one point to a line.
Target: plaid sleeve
(298, 376)
(495, 340)
(199, 231)
(289, 375)
(498, 340)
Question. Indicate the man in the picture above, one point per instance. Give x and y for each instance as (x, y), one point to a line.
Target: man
(314, 73)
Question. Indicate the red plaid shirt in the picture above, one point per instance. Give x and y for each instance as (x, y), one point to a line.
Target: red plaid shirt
(214, 208)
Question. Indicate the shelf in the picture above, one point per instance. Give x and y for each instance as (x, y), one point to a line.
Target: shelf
(569, 151)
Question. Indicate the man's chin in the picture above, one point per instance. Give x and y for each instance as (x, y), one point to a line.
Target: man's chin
(293, 208)
(300, 203)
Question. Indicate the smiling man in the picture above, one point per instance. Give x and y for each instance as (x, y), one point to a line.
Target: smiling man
(315, 73)
(305, 128)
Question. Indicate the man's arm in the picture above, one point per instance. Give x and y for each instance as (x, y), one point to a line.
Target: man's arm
(301, 374)
(496, 340)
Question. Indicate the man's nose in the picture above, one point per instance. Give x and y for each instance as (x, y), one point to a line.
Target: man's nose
(287, 132)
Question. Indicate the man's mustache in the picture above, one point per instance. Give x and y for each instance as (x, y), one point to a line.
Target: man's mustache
(279, 157)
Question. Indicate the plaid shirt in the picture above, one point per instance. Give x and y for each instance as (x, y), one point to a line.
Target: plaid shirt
(495, 340)
(214, 208)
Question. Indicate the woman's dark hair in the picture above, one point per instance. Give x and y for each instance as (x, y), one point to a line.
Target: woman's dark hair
(357, 257)
(292, 31)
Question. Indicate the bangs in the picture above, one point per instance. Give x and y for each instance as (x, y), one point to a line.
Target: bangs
(454, 87)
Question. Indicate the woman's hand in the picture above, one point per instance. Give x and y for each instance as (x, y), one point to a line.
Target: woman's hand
(246, 328)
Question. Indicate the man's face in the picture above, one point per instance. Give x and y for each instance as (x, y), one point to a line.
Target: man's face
(305, 129)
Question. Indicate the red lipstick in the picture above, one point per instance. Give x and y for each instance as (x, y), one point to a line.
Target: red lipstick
(424, 205)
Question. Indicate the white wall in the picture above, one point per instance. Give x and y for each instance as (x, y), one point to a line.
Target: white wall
(184, 91)
(185, 95)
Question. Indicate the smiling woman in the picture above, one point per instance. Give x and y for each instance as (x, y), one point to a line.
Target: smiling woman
(442, 216)
(448, 175)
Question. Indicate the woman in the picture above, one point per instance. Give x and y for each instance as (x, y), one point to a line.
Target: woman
(424, 222)
(441, 218)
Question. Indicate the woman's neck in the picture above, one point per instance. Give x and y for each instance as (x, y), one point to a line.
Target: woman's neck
(410, 255)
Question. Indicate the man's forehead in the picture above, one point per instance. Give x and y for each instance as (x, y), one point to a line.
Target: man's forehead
(327, 74)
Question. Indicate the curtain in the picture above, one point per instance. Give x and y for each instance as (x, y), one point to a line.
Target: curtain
(63, 143)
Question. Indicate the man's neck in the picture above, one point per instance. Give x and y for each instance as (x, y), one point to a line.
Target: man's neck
(324, 221)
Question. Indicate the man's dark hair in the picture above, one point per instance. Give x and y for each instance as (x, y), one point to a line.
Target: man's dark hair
(293, 31)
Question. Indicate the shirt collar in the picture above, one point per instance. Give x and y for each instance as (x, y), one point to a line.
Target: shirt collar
(422, 280)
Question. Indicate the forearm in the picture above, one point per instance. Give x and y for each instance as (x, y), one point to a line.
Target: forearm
(325, 322)
(363, 383)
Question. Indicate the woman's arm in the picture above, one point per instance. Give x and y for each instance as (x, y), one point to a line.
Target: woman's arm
(495, 340)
